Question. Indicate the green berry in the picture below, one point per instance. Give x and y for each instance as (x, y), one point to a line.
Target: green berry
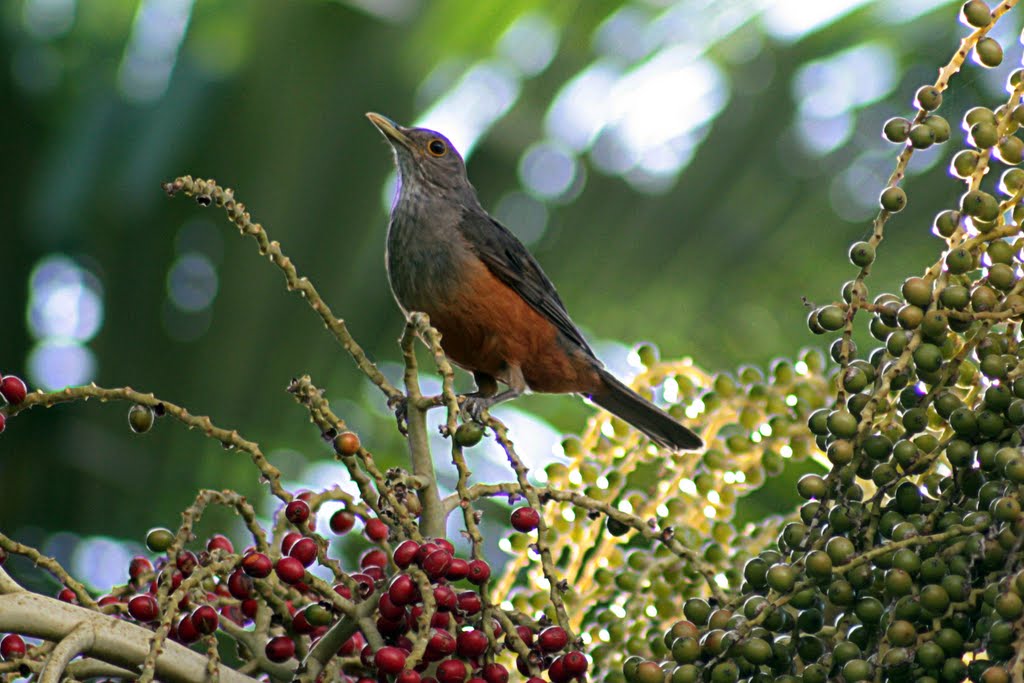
(159, 539)
(921, 136)
(984, 135)
(862, 254)
(928, 97)
(140, 418)
(893, 199)
(469, 434)
(976, 13)
(959, 261)
(964, 163)
(896, 130)
(1011, 150)
(948, 221)
(939, 126)
(988, 52)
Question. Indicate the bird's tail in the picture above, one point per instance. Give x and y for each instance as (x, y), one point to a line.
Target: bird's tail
(626, 404)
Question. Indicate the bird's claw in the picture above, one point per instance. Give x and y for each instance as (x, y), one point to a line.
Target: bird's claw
(476, 408)
(400, 404)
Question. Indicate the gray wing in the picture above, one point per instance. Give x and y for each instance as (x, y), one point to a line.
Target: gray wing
(513, 264)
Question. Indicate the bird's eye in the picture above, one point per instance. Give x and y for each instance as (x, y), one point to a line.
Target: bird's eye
(437, 147)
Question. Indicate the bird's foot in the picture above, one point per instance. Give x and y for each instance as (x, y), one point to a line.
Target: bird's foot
(400, 404)
(476, 407)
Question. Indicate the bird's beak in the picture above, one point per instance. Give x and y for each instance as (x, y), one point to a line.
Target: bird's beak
(391, 130)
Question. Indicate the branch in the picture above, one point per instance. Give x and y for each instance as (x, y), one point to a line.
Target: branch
(81, 638)
(117, 642)
(208, 192)
(329, 644)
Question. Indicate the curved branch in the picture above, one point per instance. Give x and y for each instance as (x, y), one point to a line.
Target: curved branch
(81, 638)
(116, 642)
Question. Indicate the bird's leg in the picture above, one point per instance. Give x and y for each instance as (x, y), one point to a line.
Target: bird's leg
(486, 385)
(477, 404)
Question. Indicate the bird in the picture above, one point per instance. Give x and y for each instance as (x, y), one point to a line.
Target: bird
(498, 313)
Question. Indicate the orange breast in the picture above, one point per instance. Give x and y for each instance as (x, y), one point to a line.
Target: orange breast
(488, 328)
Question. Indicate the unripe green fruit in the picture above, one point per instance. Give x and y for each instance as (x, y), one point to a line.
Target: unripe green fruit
(976, 13)
(469, 434)
(819, 564)
(1010, 150)
(946, 222)
(939, 126)
(955, 296)
(917, 291)
(842, 424)
(831, 318)
(901, 634)
(921, 136)
(984, 135)
(781, 577)
(757, 651)
(893, 199)
(959, 261)
(839, 549)
(964, 163)
(862, 254)
(1000, 251)
(928, 357)
(140, 418)
(988, 52)
(896, 130)
(980, 204)
(159, 539)
(928, 97)
(857, 670)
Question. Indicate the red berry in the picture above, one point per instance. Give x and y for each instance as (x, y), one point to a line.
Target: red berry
(374, 558)
(436, 564)
(186, 562)
(280, 649)
(574, 663)
(67, 595)
(408, 676)
(290, 570)
(13, 389)
(445, 544)
(390, 629)
(342, 521)
(425, 550)
(471, 644)
(440, 620)
(553, 639)
(403, 590)
(143, 607)
(389, 660)
(138, 566)
(249, 607)
(441, 644)
(297, 511)
(239, 585)
(388, 609)
(451, 671)
(525, 519)
(301, 625)
(303, 550)
(289, 540)
(445, 598)
(479, 572)
(375, 573)
(219, 542)
(495, 673)
(205, 619)
(12, 647)
(405, 553)
(187, 631)
(525, 634)
(470, 602)
(3, 422)
(257, 565)
(365, 584)
(557, 672)
(376, 530)
(458, 570)
(107, 600)
(346, 443)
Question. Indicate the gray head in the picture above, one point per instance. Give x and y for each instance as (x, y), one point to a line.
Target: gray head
(426, 160)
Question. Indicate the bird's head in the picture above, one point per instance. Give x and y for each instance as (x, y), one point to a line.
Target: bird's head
(423, 156)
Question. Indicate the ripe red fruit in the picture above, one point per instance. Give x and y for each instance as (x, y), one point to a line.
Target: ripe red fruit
(525, 519)
(376, 530)
(219, 542)
(557, 673)
(388, 609)
(3, 422)
(458, 570)
(280, 649)
(445, 544)
(408, 676)
(445, 598)
(107, 600)
(257, 565)
(13, 389)
(389, 660)
(300, 624)
(525, 634)
(495, 673)
(470, 602)
(12, 647)
(138, 566)
(365, 584)
(374, 558)
(451, 671)
(67, 595)
(297, 511)
(471, 644)
(186, 562)
(342, 521)
(403, 590)
(574, 663)
(553, 639)
(239, 585)
(479, 572)
(405, 553)
(289, 540)
(205, 619)
(346, 443)
(187, 631)
(144, 607)
(425, 549)
(303, 550)
(249, 607)
(436, 564)
(290, 570)
(441, 644)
